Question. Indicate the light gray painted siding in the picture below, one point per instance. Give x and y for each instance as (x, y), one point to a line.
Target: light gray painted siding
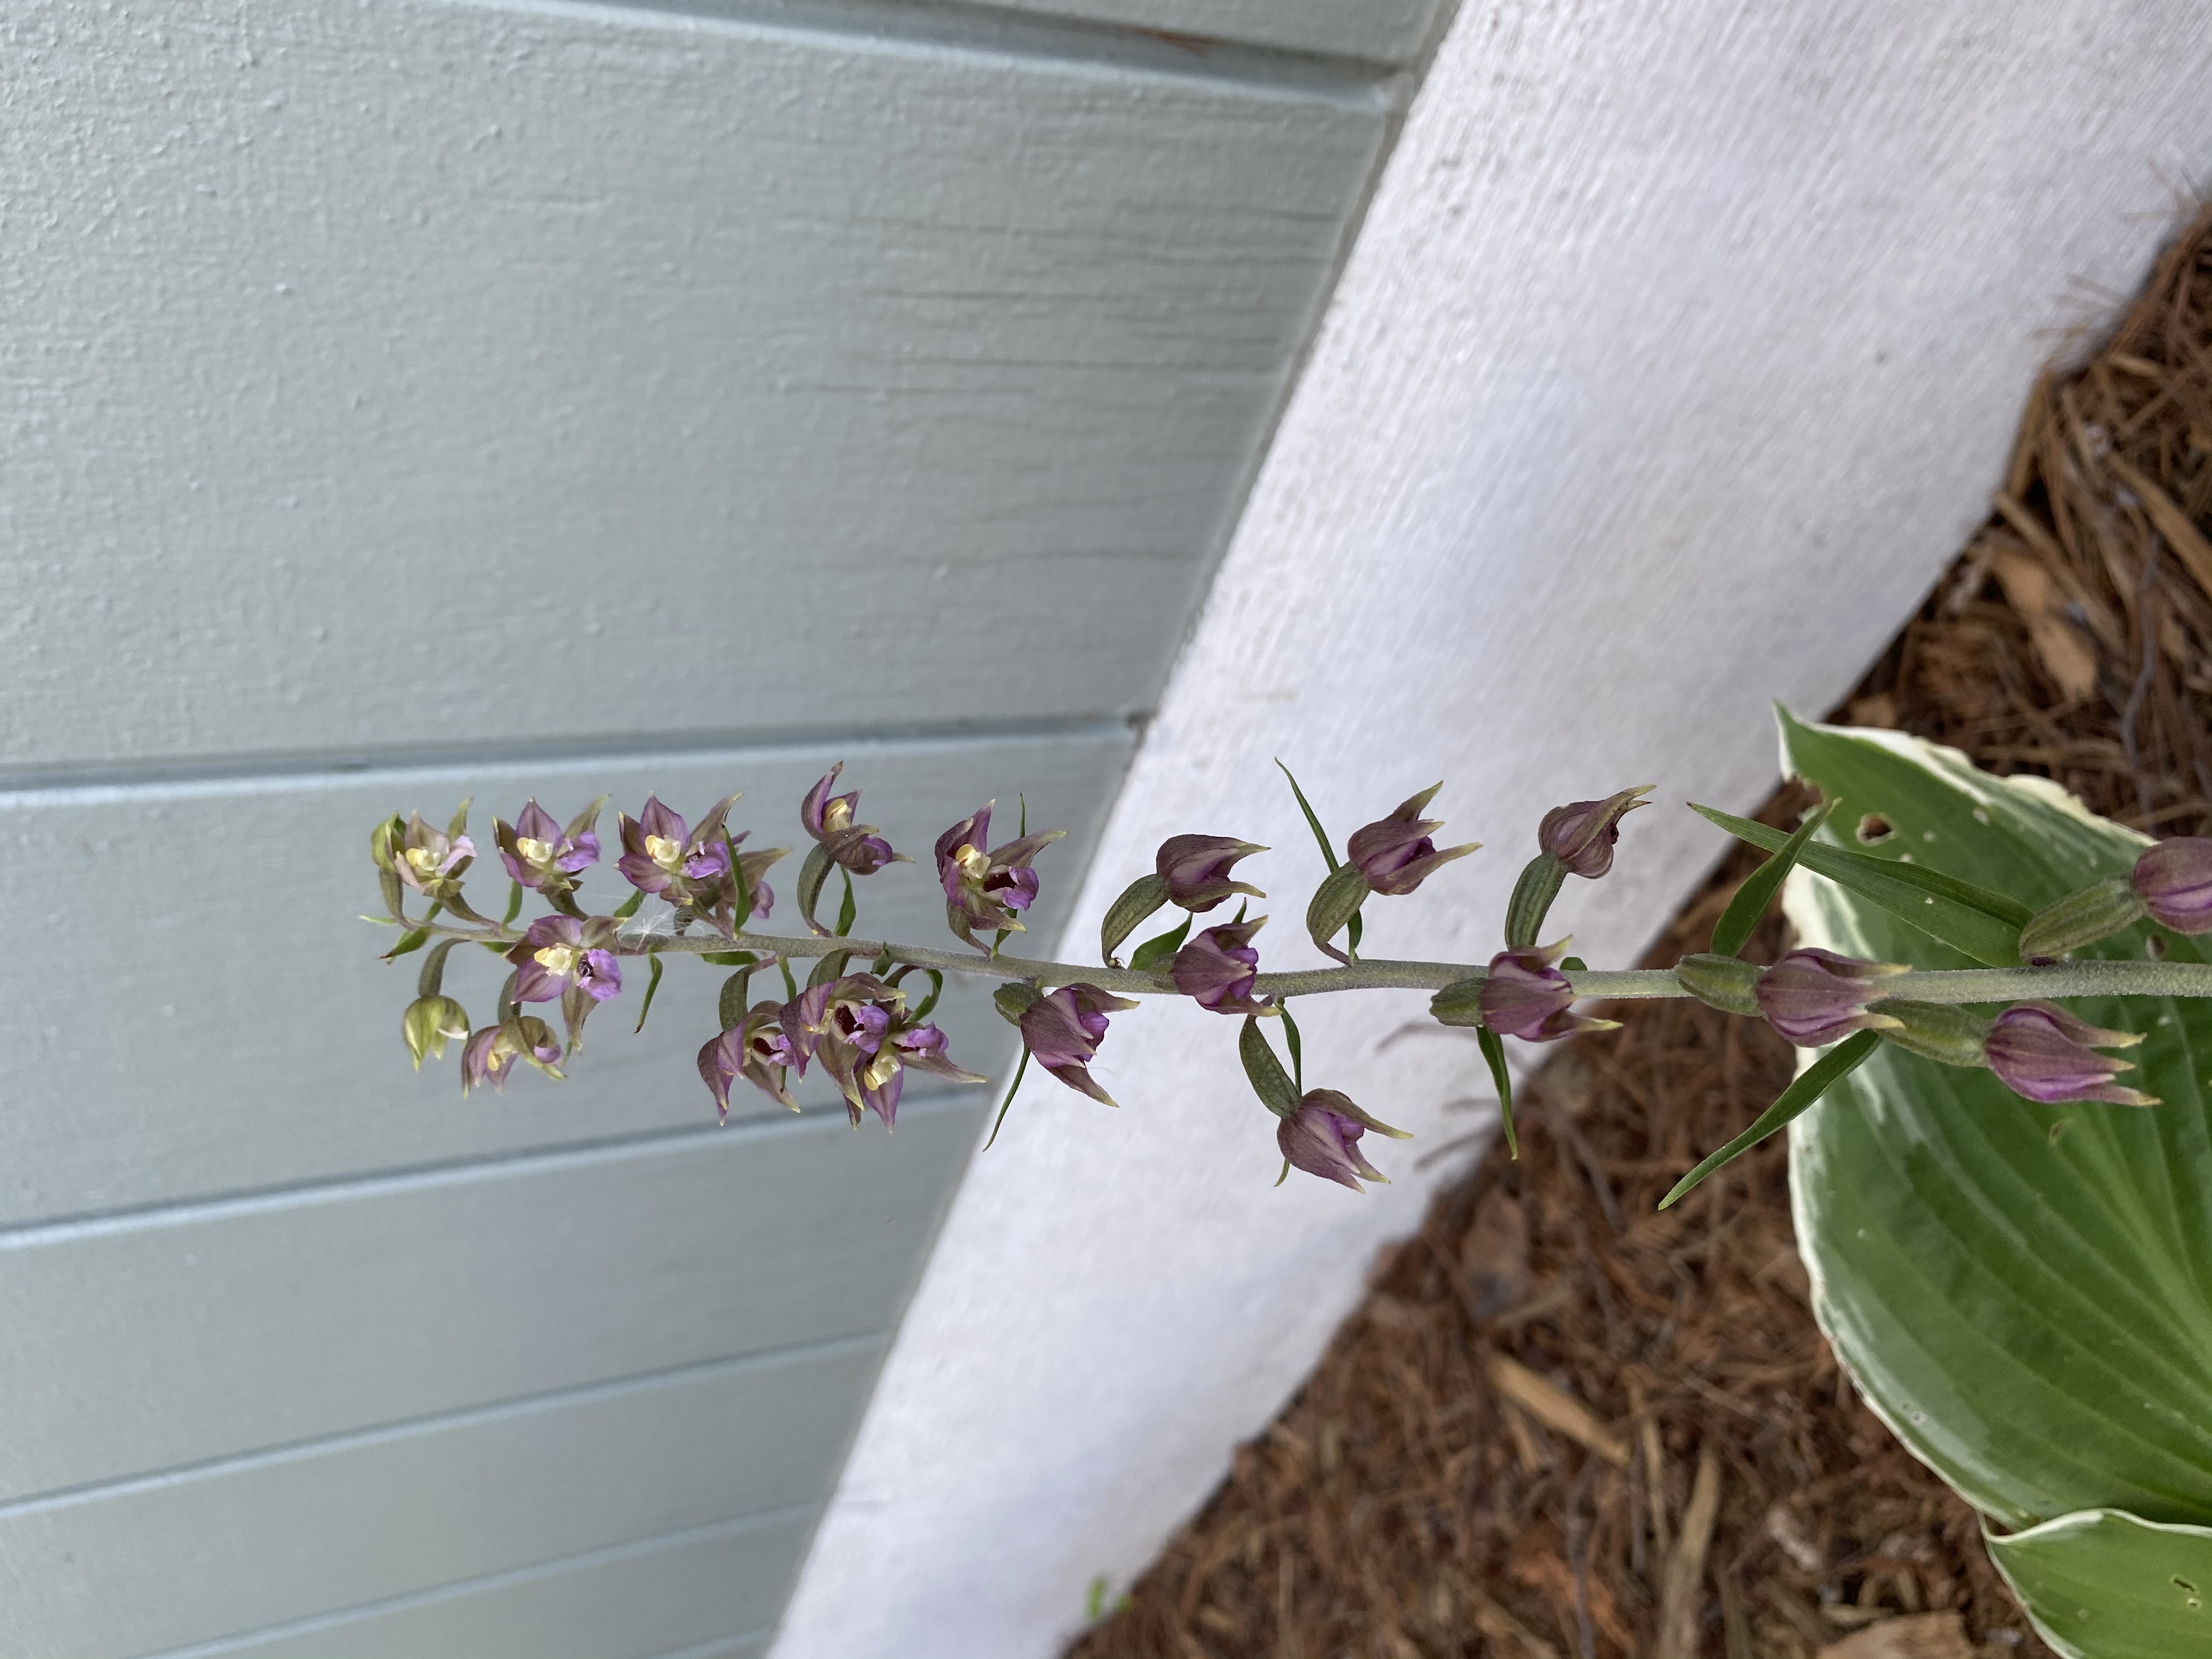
(395, 374)
(410, 399)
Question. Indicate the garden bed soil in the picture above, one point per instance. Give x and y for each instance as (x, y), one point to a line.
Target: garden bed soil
(1565, 1425)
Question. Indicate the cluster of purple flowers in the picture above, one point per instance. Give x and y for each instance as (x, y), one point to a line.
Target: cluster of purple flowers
(856, 1025)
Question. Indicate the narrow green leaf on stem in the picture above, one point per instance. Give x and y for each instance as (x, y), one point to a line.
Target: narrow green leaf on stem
(1982, 924)
(508, 1008)
(432, 979)
(1320, 835)
(1335, 903)
(731, 1007)
(1493, 1050)
(628, 907)
(514, 904)
(395, 895)
(1006, 1105)
(651, 985)
(1285, 1175)
(1734, 930)
(811, 875)
(848, 908)
(729, 958)
(790, 985)
(1147, 957)
(1139, 900)
(1795, 1101)
(414, 940)
(830, 966)
(1297, 1045)
(1268, 1079)
(928, 1004)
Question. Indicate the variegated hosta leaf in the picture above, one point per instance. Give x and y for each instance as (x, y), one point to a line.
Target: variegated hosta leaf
(2106, 1585)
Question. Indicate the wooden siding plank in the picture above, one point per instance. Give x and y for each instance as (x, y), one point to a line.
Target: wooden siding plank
(165, 1340)
(151, 1050)
(417, 373)
(271, 1540)
(1380, 31)
(675, 1598)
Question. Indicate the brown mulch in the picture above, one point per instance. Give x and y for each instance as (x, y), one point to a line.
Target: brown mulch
(1566, 1425)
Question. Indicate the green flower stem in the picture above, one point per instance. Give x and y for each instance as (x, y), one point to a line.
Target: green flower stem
(1944, 985)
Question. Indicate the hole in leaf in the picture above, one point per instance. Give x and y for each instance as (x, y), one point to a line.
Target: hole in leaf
(1874, 829)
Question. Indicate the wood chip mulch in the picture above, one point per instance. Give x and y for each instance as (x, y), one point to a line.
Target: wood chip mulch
(1566, 1425)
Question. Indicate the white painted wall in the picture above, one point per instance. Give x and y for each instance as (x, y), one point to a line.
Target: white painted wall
(1679, 348)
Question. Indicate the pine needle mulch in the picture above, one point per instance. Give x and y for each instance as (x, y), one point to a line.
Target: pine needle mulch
(1565, 1426)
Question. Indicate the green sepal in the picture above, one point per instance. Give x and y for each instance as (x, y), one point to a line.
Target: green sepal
(1982, 924)
(811, 875)
(1007, 1104)
(395, 894)
(414, 940)
(831, 966)
(1459, 1003)
(1501, 1078)
(628, 907)
(1538, 885)
(651, 985)
(514, 904)
(1336, 902)
(731, 1007)
(1296, 1044)
(848, 907)
(1268, 1079)
(1139, 900)
(2097, 911)
(1734, 930)
(1724, 982)
(1147, 957)
(458, 825)
(1802, 1094)
(384, 839)
(431, 981)
(1012, 1000)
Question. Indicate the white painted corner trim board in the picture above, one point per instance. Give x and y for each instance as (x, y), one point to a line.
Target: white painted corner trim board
(1680, 347)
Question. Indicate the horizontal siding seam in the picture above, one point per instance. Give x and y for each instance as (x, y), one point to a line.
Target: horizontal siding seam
(462, 1417)
(245, 1641)
(499, 1166)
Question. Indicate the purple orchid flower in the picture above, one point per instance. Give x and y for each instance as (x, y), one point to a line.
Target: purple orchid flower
(1322, 1136)
(1195, 870)
(1216, 970)
(2174, 881)
(691, 866)
(1812, 997)
(2043, 1052)
(560, 954)
(430, 860)
(757, 1051)
(859, 848)
(1581, 834)
(989, 889)
(489, 1055)
(1397, 854)
(544, 855)
(1526, 995)
(858, 1029)
(1062, 1030)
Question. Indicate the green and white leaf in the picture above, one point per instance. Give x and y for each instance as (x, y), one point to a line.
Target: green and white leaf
(2105, 1584)
(2024, 1292)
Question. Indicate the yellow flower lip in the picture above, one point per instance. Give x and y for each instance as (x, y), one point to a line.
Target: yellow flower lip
(664, 852)
(974, 863)
(558, 959)
(534, 852)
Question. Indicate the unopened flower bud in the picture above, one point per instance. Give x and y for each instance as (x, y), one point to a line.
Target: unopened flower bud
(1812, 997)
(1195, 870)
(1062, 1030)
(1581, 834)
(1727, 983)
(1525, 995)
(2099, 910)
(1935, 1031)
(1322, 1136)
(2043, 1052)
(1216, 970)
(429, 1022)
(2174, 881)
(1396, 854)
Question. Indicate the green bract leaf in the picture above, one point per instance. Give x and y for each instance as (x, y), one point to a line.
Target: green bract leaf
(848, 907)
(1336, 902)
(2031, 1313)
(1147, 957)
(1313, 822)
(1803, 1093)
(1296, 1044)
(432, 979)
(1269, 1081)
(1983, 924)
(1735, 927)
(628, 907)
(1012, 1000)
(731, 1006)
(1533, 890)
(811, 875)
(1139, 900)
(928, 1004)
(651, 985)
(514, 904)
(832, 965)
(414, 940)
(1493, 1050)
(729, 958)
(1006, 1105)
(2103, 1585)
